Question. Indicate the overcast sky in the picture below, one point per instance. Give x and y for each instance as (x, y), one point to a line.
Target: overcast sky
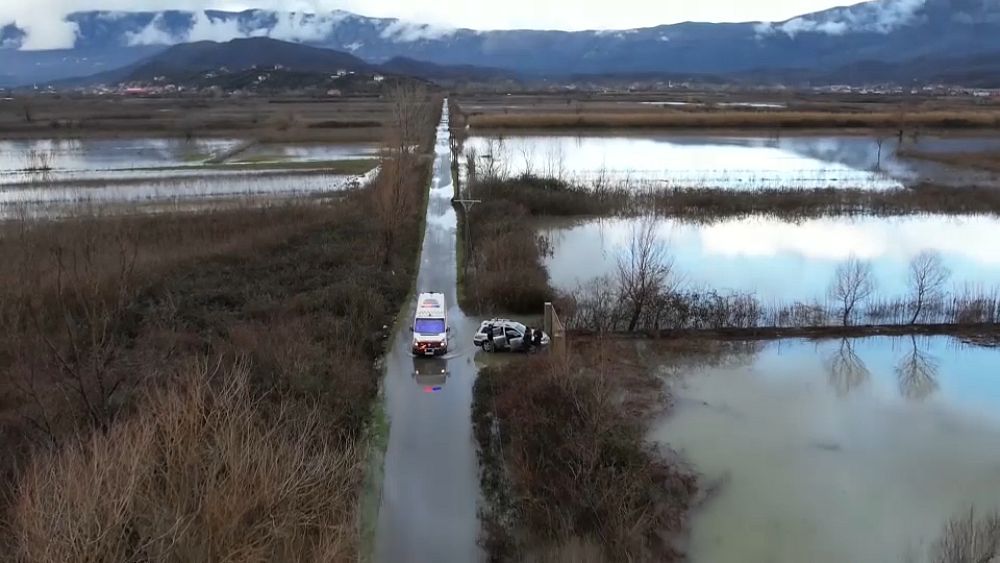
(545, 14)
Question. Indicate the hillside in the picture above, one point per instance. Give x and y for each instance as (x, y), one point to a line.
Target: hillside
(886, 31)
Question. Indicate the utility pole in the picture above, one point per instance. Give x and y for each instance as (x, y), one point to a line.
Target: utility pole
(466, 206)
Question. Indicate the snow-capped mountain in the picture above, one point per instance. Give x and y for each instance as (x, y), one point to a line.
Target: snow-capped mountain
(880, 30)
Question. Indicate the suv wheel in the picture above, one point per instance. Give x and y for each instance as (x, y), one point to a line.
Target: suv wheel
(488, 346)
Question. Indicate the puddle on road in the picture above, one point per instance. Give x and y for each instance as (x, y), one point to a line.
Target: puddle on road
(838, 450)
(782, 261)
(736, 163)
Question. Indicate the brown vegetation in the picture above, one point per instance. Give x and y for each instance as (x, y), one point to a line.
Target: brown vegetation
(504, 268)
(982, 160)
(566, 471)
(273, 119)
(963, 119)
(547, 196)
(104, 318)
(198, 474)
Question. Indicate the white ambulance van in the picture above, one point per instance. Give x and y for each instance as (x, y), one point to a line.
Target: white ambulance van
(430, 325)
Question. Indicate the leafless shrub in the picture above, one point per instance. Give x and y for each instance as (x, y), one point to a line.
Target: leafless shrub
(968, 538)
(38, 160)
(644, 271)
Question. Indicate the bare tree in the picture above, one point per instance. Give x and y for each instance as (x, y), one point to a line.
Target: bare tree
(968, 538)
(928, 274)
(395, 192)
(917, 373)
(853, 284)
(880, 139)
(644, 270)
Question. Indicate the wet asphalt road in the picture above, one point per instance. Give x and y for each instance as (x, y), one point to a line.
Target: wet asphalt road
(431, 486)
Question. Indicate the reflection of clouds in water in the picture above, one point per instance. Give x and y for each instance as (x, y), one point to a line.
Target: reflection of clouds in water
(973, 238)
(903, 465)
(782, 261)
(738, 163)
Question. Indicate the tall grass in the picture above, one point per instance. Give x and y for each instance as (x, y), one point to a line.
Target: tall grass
(547, 196)
(202, 473)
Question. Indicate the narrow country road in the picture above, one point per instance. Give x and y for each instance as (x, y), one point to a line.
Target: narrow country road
(431, 485)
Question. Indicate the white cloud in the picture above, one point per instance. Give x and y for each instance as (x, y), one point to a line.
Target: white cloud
(152, 34)
(405, 32)
(205, 28)
(42, 29)
(880, 16)
(302, 27)
(44, 19)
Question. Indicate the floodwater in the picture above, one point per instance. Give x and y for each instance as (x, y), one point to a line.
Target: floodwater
(269, 152)
(838, 450)
(108, 154)
(781, 261)
(148, 195)
(430, 488)
(729, 162)
(147, 172)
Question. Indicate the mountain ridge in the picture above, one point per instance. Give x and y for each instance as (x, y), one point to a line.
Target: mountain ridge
(879, 30)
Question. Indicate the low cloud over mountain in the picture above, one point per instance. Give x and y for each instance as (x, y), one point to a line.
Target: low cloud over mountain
(886, 31)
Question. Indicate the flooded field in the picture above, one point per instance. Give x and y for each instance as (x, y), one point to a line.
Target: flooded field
(729, 162)
(48, 178)
(60, 201)
(836, 451)
(108, 154)
(270, 152)
(781, 261)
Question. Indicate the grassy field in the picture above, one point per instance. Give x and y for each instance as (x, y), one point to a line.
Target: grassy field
(720, 111)
(266, 119)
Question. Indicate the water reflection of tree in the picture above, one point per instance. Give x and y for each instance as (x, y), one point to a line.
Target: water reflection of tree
(917, 372)
(845, 369)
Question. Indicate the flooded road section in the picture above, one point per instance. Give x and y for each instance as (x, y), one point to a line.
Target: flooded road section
(431, 488)
(736, 163)
(856, 450)
(783, 261)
